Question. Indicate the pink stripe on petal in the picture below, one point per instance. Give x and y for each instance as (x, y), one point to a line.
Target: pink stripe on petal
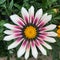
(34, 49)
(26, 18)
(24, 43)
(32, 43)
(19, 39)
(20, 23)
(40, 24)
(42, 29)
(17, 31)
(40, 40)
(37, 42)
(17, 34)
(28, 46)
(31, 19)
(17, 27)
(43, 33)
(27, 51)
(42, 36)
(35, 21)
(16, 19)
(25, 14)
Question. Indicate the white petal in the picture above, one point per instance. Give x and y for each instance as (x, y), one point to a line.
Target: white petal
(8, 32)
(15, 44)
(50, 39)
(43, 20)
(22, 49)
(47, 45)
(10, 26)
(25, 14)
(43, 51)
(31, 13)
(16, 19)
(44, 16)
(10, 37)
(27, 52)
(34, 50)
(46, 19)
(50, 27)
(52, 34)
(38, 15)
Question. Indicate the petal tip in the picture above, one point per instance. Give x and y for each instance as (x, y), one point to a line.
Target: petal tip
(32, 6)
(22, 8)
(18, 55)
(12, 15)
(8, 48)
(6, 24)
(45, 53)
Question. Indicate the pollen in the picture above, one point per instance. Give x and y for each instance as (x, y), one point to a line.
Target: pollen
(30, 32)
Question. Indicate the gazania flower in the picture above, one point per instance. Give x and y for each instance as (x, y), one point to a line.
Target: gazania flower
(30, 32)
(58, 31)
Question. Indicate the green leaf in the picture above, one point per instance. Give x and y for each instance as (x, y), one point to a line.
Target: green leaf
(50, 2)
(11, 5)
(57, 18)
(55, 53)
(17, 6)
(2, 1)
(2, 22)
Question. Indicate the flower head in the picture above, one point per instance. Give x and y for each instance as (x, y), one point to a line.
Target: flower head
(58, 31)
(31, 32)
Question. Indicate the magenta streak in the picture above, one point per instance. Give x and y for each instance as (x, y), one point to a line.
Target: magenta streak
(20, 23)
(32, 18)
(37, 42)
(17, 35)
(44, 33)
(26, 19)
(17, 27)
(41, 24)
(24, 43)
(28, 45)
(21, 19)
(42, 36)
(40, 41)
(35, 21)
(19, 39)
(17, 31)
(42, 29)
(32, 43)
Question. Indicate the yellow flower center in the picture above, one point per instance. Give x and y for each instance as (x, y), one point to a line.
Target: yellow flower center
(58, 32)
(30, 32)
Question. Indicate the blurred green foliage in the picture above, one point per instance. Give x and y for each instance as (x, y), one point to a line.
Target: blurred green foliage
(9, 7)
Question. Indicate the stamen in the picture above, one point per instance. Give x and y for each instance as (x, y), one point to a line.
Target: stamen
(30, 32)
